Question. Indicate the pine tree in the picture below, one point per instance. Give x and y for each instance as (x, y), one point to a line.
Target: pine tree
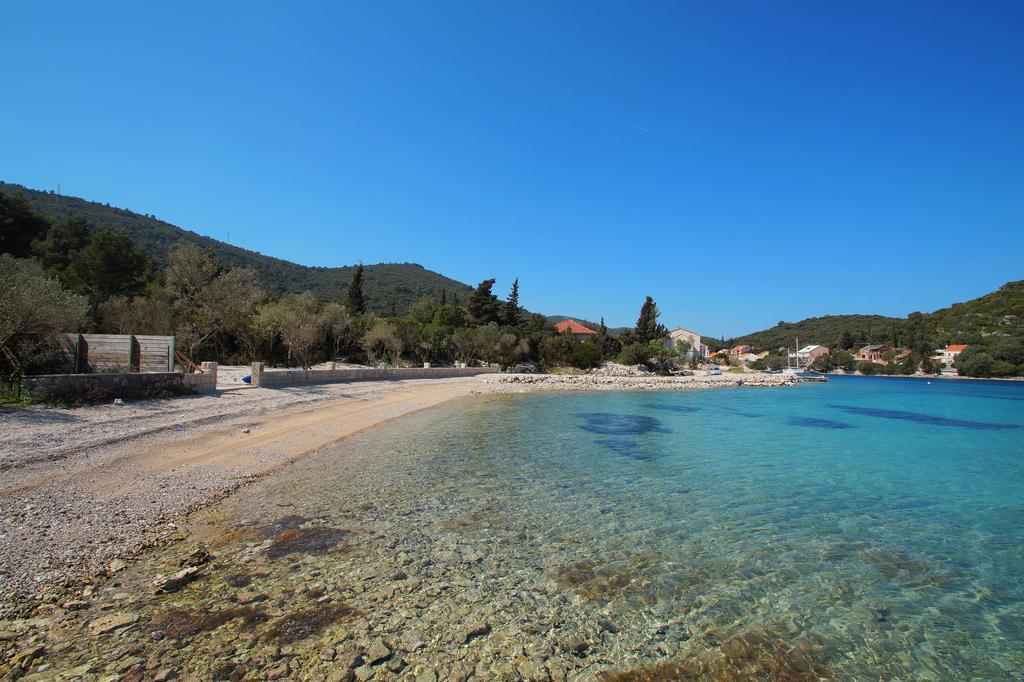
(483, 305)
(444, 296)
(356, 301)
(511, 312)
(647, 327)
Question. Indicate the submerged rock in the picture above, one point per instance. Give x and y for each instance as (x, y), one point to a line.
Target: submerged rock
(163, 584)
(111, 622)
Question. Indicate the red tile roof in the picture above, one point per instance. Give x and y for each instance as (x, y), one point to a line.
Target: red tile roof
(956, 348)
(573, 327)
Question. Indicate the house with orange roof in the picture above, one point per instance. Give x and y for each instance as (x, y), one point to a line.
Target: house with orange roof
(575, 328)
(736, 351)
(949, 353)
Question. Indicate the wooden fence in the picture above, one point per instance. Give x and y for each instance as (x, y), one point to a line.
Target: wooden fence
(102, 353)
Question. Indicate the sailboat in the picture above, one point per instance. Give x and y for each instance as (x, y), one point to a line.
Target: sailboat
(796, 371)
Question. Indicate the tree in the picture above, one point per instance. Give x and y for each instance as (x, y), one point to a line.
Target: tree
(34, 309)
(823, 363)
(484, 306)
(608, 346)
(300, 323)
(511, 310)
(356, 300)
(636, 354)
(110, 264)
(929, 366)
(209, 299)
(343, 330)
(464, 344)
(647, 327)
(62, 242)
(382, 343)
(19, 225)
(150, 314)
(975, 364)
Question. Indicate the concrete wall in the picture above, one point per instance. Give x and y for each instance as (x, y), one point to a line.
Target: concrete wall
(205, 382)
(295, 377)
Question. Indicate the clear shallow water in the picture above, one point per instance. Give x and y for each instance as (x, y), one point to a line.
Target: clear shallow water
(859, 529)
(878, 524)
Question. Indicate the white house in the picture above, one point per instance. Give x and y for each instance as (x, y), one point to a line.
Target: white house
(949, 353)
(697, 349)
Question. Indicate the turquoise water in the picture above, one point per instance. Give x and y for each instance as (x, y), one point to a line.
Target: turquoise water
(865, 528)
(873, 526)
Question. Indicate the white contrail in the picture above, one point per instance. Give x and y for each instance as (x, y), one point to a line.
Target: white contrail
(637, 125)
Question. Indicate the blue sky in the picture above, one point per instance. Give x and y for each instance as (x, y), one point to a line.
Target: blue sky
(741, 162)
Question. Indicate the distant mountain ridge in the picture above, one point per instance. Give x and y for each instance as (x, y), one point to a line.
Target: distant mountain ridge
(385, 284)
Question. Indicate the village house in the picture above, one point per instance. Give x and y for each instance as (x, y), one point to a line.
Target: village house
(872, 353)
(808, 354)
(950, 353)
(575, 328)
(737, 351)
(697, 349)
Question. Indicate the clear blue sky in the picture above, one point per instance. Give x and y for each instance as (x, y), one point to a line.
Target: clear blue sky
(741, 162)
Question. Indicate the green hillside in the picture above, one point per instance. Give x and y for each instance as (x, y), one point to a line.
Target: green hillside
(400, 283)
(999, 315)
(825, 331)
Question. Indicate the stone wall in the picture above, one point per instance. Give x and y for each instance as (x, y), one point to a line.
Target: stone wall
(294, 377)
(70, 386)
(203, 382)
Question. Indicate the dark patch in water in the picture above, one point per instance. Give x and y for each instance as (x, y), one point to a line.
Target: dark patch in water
(307, 540)
(752, 415)
(609, 424)
(625, 447)
(896, 565)
(755, 654)
(603, 582)
(288, 522)
(683, 409)
(817, 423)
(252, 532)
(922, 418)
(478, 519)
(308, 622)
(178, 623)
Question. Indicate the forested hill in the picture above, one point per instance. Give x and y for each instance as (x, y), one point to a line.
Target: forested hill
(827, 331)
(994, 316)
(385, 284)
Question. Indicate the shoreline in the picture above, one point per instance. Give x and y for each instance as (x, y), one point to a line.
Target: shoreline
(72, 520)
(77, 510)
(929, 377)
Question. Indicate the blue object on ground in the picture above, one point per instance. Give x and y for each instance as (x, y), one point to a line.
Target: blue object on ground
(247, 378)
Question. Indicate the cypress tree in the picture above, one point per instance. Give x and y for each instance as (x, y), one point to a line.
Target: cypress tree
(647, 327)
(356, 301)
(512, 305)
